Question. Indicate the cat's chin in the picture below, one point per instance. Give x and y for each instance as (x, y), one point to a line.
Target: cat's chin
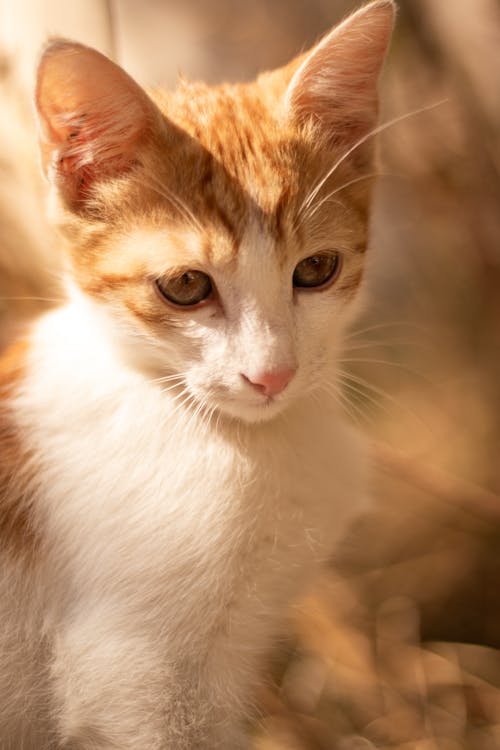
(253, 411)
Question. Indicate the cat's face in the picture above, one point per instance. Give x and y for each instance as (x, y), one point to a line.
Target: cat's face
(221, 231)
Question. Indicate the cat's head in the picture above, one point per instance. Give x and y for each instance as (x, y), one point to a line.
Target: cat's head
(220, 231)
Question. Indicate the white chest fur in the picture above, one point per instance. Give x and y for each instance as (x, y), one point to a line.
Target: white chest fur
(164, 529)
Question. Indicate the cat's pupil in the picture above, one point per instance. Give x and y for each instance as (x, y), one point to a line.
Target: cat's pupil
(187, 289)
(316, 270)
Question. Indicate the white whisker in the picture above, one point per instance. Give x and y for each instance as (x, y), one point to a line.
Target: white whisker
(383, 326)
(365, 386)
(307, 212)
(372, 361)
(187, 400)
(362, 392)
(178, 377)
(33, 299)
(371, 134)
(352, 410)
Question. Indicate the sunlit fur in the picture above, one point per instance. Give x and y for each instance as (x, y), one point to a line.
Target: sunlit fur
(159, 511)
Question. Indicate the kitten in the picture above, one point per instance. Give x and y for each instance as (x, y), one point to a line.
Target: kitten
(174, 462)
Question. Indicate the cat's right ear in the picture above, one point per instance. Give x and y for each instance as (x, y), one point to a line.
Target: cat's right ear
(92, 117)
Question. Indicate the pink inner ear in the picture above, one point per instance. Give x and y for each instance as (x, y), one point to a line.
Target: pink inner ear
(91, 116)
(336, 85)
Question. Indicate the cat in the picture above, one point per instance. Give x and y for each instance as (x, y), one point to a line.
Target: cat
(175, 464)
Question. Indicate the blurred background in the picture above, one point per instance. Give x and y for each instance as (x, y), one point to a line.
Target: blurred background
(398, 644)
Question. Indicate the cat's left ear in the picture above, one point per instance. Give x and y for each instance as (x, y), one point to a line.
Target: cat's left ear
(335, 85)
(92, 119)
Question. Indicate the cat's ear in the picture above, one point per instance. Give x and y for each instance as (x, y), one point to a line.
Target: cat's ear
(91, 116)
(335, 85)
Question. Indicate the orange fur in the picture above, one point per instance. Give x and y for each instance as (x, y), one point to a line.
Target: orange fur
(243, 164)
(16, 477)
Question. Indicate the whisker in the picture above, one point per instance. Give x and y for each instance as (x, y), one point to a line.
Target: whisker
(33, 299)
(176, 399)
(389, 363)
(371, 134)
(168, 378)
(364, 384)
(364, 394)
(208, 417)
(349, 376)
(352, 409)
(377, 344)
(217, 422)
(383, 326)
(308, 214)
(196, 412)
(187, 400)
(169, 389)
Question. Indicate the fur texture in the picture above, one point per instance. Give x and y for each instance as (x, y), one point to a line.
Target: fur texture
(173, 474)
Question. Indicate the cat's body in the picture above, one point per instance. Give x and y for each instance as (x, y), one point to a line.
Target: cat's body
(172, 471)
(171, 547)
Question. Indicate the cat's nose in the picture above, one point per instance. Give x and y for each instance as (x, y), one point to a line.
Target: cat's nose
(271, 382)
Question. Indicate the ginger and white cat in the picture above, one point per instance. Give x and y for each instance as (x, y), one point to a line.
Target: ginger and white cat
(174, 461)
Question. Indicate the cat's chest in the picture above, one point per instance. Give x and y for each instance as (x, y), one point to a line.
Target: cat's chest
(140, 500)
(122, 466)
(130, 464)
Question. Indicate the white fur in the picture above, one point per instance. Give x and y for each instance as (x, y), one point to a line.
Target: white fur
(173, 544)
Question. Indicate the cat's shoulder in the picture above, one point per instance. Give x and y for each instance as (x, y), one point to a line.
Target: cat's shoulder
(17, 474)
(12, 364)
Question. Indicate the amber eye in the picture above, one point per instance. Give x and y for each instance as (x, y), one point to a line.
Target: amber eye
(189, 288)
(316, 270)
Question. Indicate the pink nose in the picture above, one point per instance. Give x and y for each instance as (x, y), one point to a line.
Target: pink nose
(271, 382)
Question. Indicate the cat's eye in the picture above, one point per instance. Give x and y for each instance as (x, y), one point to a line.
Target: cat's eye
(188, 289)
(317, 270)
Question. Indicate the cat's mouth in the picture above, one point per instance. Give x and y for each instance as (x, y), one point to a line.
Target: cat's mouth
(221, 400)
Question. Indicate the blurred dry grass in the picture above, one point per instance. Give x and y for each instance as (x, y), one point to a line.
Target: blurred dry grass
(398, 645)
